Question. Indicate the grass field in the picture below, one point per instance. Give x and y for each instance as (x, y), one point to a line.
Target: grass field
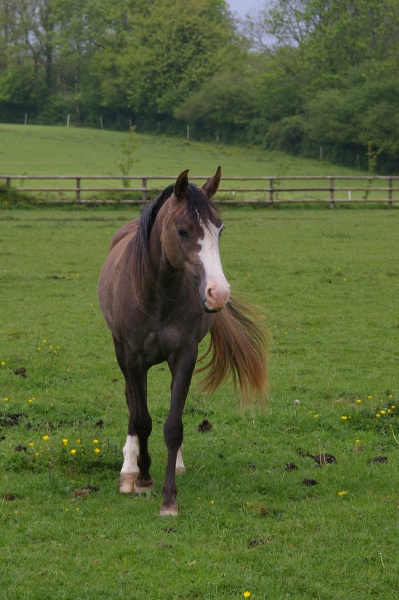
(328, 283)
(36, 150)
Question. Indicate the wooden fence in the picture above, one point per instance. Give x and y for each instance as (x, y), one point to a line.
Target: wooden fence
(79, 189)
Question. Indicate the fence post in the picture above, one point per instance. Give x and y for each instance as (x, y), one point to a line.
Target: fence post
(144, 186)
(390, 193)
(8, 182)
(332, 203)
(78, 189)
(271, 190)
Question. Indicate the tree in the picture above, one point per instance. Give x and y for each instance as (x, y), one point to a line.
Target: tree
(175, 46)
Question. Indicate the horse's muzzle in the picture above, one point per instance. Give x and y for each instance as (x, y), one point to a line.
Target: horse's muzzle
(211, 310)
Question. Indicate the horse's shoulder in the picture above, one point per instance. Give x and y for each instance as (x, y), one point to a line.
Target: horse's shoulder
(130, 229)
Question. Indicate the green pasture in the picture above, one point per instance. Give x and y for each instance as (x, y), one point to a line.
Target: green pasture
(40, 150)
(328, 284)
(36, 150)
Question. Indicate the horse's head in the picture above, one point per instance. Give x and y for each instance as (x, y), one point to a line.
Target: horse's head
(190, 236)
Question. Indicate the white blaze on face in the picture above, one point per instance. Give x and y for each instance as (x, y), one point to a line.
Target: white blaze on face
(217, 290)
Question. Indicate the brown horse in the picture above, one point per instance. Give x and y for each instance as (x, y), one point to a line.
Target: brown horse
(161, 290)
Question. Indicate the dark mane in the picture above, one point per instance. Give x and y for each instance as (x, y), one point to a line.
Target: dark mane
(149, 214)
(141, 256)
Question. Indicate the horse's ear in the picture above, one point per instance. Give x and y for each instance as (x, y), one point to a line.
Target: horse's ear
(181, 185)
(211, 186)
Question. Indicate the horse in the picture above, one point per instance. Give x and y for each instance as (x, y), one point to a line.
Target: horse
(161, 290)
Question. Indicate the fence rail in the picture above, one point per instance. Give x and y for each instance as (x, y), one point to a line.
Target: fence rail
(70, 189)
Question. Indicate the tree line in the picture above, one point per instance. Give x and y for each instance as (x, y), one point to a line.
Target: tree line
(312, 77)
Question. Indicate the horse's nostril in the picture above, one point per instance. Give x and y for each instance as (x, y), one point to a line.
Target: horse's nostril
(209, 293)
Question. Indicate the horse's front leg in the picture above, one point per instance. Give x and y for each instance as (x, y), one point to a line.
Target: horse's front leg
(135, 473)
(136, 455)
(181, 367)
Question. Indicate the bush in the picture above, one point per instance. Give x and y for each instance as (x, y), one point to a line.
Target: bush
(287, 135)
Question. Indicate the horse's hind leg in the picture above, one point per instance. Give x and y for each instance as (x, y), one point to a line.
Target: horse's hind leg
(130, 467)
(135, 475)
(180, 468)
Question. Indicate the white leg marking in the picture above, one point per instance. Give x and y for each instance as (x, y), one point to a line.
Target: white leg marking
(129, 469)
(180, 468)
(130, 455)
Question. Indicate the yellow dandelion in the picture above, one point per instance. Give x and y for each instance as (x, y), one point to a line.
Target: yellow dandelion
(344, 417)
(95, 441)
(37, 454)
(370, 397)
(5, 399)
(378, 415)
(73, 451)
(65, 441)
(342, 493)
(46, 438)
(31, 444)
(247, 594)
(316, 416)
(212, 502)
(357, 441)
(97, 450)
(3, 363)
(77, 441)
(382, 412)
(358, 401)
(393, 407)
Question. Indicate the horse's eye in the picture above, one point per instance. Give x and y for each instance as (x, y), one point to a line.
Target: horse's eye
(182, 233)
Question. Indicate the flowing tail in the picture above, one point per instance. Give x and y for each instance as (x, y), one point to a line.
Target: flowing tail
(238, 346)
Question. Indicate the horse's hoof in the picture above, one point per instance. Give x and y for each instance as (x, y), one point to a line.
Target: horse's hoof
(126, 483)
(169, 510)
(180, 469)
(143, 487)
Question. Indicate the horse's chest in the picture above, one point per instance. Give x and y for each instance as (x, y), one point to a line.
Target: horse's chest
(162, 343)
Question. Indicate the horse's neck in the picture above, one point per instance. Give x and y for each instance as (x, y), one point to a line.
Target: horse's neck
(162, 271)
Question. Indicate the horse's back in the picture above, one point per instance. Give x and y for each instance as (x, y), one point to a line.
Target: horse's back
(129, 229)
(115, 273)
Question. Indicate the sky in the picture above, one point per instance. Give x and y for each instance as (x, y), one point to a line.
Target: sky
(244, 6)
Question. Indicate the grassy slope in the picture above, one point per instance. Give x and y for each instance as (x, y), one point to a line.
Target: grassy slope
(35, 150)
(329, 283)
